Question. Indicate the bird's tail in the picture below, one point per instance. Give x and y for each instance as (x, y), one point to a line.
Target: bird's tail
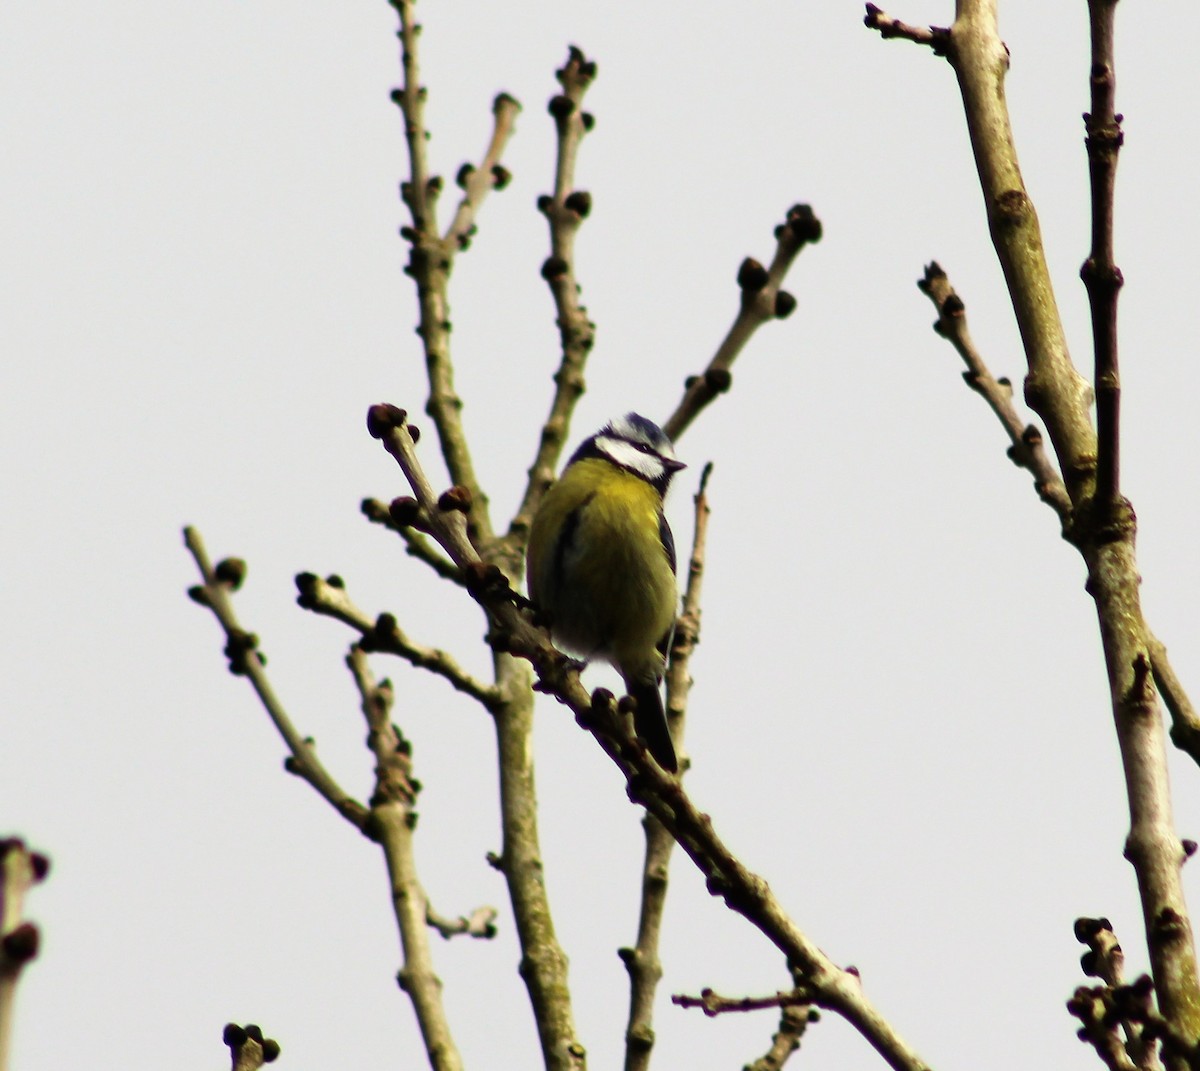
(650, 721)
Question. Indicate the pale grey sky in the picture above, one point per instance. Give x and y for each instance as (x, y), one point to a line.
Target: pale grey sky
(900, 715)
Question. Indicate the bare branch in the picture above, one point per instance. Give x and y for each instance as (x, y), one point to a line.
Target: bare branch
(642, 962)
(1185, 723)
(1105, 960)
(383, 635)
(245, 660)
(1100, 274)
(793, 1022)
(481, 923)
(416, 545)
(565, 212)
(714, 1004)
(762, 300)
(392, 823)
(1054, 389)
(647, 784)
(248, 1049)
(1026, 450)
(478, 182)
(20, 870)
(431, 258)
(934, 37)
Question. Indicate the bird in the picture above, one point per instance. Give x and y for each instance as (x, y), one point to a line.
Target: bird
(601, 564)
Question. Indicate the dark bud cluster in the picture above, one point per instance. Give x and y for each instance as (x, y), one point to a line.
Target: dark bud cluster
(752, 276)
(456, 500)
(231, 571)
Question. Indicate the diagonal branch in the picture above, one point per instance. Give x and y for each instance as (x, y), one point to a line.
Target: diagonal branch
(1185, 723)
(1026, 450)
(478, 182)
(934, 37)
(762, 300)
(383, 634)
(415, 544)
(241, 647)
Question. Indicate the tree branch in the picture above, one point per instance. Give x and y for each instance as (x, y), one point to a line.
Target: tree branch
(431, 259)
(392, 822)
(1101, 276)
(248, 1049)
(1054, 389)
(762, 300)
(934, 37)
(383, 634)
(477, 182)
(20, 870)
(793, 1022)
(481, 923)
(565, 212)
(415, 544)
(1185, 723)
(241, 648)
(1026, 450)
(642, 962)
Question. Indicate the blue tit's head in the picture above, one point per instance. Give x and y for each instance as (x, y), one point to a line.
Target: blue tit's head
(638, 446)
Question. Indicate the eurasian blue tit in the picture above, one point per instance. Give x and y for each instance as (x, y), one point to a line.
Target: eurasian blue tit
(601, 563)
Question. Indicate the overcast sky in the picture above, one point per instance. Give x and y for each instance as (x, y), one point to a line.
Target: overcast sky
(900, 716)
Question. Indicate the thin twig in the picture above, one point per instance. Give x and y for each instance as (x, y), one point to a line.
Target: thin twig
(20, 870)
(1100, 274)
(646, 783)
(713, 1004)
(1027, 450)
(392, 824)
(415, 544)
(478, 182)
(642, 961)
(565, 211)
(246, 661)
(793, 1022)
(1105, 960)
(934, 37)
(761, 300)
(1185, 723)
(480, 923)
(382, 634)
(248, 1049)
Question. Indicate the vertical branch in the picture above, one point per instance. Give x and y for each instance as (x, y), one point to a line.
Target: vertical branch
(642, 962)
(391, 823)
(431, 259)
(565, 210)
(20, 870)
(1054, 388)
(1101, 276)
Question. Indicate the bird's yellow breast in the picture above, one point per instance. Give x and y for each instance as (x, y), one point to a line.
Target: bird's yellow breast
(597, 564)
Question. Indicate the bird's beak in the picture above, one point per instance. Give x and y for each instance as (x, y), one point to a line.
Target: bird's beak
(672, 465)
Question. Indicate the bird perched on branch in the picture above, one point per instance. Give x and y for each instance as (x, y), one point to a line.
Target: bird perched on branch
(601, 563)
